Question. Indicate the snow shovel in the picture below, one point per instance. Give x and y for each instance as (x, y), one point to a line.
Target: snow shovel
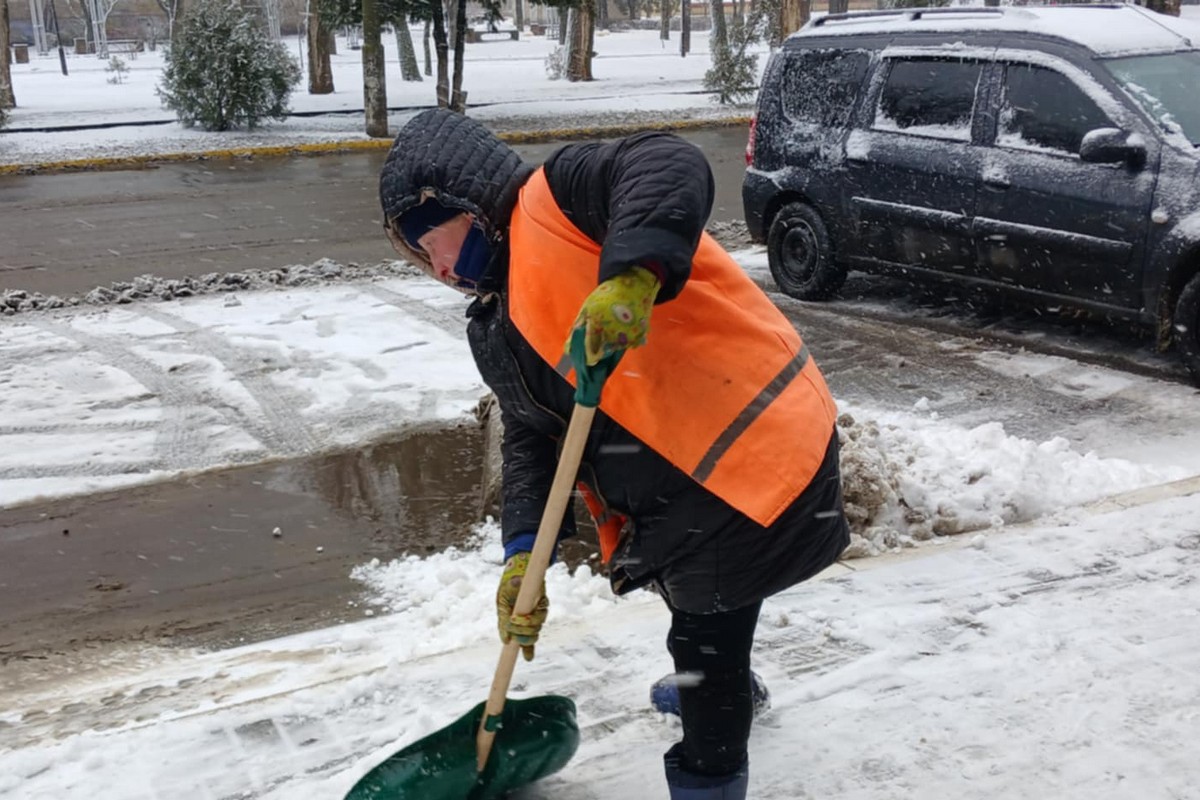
(530, 738)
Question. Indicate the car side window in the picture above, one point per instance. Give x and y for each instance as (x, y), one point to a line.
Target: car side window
(1045, 110)
(929, 97)
(819, 86)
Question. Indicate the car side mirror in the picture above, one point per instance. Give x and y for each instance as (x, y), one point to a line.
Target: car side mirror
(1112, 146)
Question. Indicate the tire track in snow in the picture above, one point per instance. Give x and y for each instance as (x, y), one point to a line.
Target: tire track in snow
(452, 323)
(80, 428)
(179, 444)
(285, 432)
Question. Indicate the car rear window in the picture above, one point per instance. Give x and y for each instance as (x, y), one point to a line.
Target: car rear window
(820, 85)
(929, 97)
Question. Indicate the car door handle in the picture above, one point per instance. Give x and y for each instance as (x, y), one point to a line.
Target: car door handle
(997, 182)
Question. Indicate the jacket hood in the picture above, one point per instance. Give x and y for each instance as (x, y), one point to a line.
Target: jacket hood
(456, 160)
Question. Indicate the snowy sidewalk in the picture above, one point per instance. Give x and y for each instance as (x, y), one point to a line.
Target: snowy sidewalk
(97, 399)
(1055, 660)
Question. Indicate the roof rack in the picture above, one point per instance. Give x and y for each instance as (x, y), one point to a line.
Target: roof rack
(919, 13)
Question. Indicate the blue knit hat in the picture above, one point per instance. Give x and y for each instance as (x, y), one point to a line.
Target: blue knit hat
(420, 220)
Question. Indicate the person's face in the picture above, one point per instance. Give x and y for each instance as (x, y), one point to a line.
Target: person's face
(442, 245)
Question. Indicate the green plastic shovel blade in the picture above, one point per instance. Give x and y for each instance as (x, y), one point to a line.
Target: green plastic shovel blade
(536, 737)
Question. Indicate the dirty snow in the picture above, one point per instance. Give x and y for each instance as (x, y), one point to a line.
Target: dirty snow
(152, 390)
(1045, 655)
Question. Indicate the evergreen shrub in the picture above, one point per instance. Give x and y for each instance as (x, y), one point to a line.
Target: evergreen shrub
(224, 71)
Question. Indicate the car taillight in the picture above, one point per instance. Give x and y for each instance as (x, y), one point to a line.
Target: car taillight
(750, 140)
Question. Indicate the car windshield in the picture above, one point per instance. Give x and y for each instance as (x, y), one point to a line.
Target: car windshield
(1165, 86)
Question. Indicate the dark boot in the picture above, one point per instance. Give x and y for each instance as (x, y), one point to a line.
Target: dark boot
(664, 694)
(686, 785)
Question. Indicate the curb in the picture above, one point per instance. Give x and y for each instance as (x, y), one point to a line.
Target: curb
(346, 146)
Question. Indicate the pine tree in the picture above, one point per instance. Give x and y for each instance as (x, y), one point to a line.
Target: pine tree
(733, 73)
(224, 71)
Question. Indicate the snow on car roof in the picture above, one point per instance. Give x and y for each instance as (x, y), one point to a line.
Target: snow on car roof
(1107, 30)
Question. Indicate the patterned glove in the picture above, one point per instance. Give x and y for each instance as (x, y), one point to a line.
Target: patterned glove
(616, 315)
(523, 627)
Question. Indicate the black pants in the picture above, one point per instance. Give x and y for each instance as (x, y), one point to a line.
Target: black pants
(712, 656)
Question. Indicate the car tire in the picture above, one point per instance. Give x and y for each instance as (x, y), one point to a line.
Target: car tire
(1187, 327)
(800, 255)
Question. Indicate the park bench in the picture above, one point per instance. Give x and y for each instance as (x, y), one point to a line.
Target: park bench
(474, 37)
(126, 46)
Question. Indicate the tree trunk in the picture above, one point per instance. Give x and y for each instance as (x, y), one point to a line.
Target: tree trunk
(519, 14)
(179, 8)
(839, 6)
(374, 71)
(685, 28)
(794, 15)
(579, 56)
(409, 70)
(1170, 7)
(443, 55)
(600, 19)
(450, 14)
(7, 98)
(458, 99)
(718, 41)
(428, 51)
(320, 70)
(564, 20)
(664, 22)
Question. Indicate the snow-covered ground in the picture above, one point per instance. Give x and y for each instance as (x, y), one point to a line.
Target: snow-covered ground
(1052, 654)
(637, 76)
(1057, 652)
(1055, 660)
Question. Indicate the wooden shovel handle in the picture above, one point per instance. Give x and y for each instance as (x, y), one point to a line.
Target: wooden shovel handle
(539, 560)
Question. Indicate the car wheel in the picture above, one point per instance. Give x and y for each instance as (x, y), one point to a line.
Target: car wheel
(800, 255)
(1187, 327)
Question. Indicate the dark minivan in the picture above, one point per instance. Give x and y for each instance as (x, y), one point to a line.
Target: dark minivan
(1049, 153)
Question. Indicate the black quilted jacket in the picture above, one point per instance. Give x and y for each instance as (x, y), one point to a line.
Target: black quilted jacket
(645, 199)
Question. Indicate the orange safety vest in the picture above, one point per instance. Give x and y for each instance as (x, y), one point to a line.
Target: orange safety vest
(724, 388)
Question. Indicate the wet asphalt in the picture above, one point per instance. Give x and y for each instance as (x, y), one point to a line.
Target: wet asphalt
(66, 234)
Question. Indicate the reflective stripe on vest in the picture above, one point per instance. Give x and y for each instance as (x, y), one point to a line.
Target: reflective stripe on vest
(724, 389)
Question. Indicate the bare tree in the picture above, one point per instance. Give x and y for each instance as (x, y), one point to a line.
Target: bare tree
(425, 42)
(320, 67)
(171, 10)
(839, 6)
(409, 70)
(98, 11)
(519, 14)
(458, 99)
(374, 75)
(443, 55)
(793, 15)
(582, 23)
(685, 28)
(666, 8)
(7, 98)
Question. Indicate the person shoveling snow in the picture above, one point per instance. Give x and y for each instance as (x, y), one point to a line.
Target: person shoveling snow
(711, 468)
